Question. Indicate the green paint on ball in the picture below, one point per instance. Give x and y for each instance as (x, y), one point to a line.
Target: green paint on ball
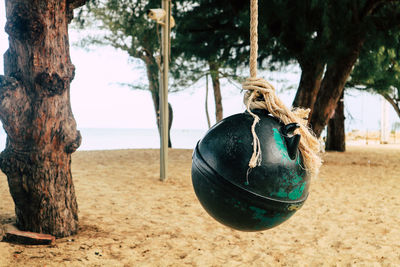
(236, 203)
(261, 216)
(281, 193)
(297, 192)
(292, 179)
(281, 146)
(280, 143)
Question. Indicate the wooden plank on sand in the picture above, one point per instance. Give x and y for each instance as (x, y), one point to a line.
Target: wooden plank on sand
(13, 235)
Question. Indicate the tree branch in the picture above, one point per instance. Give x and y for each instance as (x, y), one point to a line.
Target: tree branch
(72, 4)
(393, 102)
(370, 6)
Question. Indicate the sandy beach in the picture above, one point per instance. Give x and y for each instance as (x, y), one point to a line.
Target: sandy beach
(129, 218)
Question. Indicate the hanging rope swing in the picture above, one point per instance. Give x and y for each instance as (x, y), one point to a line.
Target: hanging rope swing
(256, 87)
(252, 171)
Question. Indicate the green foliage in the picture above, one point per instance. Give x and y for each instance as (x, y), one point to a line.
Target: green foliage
(123, 24)
(303, 32)
(209, 32)
(320, 30)
(289, 30)
(378, 68)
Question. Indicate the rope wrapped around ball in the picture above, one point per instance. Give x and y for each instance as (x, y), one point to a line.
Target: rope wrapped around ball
(260, 94)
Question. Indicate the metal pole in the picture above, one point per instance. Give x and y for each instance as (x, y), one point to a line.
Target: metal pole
(385, 132)
(165, 37)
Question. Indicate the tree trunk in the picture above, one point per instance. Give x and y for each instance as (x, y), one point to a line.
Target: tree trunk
(206, 105)
(170, 120)
(214, 69)
(154, 87)
(310, 82)
(395, 103)
(156, 102)
(335, 139)
(36, 114)
(332, 87)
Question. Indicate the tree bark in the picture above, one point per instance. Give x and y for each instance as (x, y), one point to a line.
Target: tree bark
(310, 82)
(332, 86)
(154, 87)
(36, 114)
(214, 70)
(336, 136)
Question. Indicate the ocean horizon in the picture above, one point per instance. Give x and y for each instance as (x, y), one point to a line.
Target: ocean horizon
(132, 138)
(129, 138)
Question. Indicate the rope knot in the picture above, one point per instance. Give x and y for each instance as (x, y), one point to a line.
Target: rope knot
(256, 87)
(261, 95)
(258, 84)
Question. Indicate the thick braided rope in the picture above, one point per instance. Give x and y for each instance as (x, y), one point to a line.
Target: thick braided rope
(253, 37)
(258, 88)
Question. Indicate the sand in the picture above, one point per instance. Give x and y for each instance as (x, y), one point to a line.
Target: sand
(129, 218)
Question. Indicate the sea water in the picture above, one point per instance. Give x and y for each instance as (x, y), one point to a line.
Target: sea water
(99, 139)
(111, 138)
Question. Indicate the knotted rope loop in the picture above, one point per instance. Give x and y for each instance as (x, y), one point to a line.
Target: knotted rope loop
(258, 84)
(254, 99)
(261, 95)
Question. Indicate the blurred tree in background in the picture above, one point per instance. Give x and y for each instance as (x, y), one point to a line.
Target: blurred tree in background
(211, 38)
(378, 69)
(123, 24)
(325, 38)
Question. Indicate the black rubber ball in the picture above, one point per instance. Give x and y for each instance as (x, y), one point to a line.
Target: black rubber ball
(250, 199)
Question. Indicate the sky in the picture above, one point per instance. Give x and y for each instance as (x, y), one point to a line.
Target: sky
(98, 101)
